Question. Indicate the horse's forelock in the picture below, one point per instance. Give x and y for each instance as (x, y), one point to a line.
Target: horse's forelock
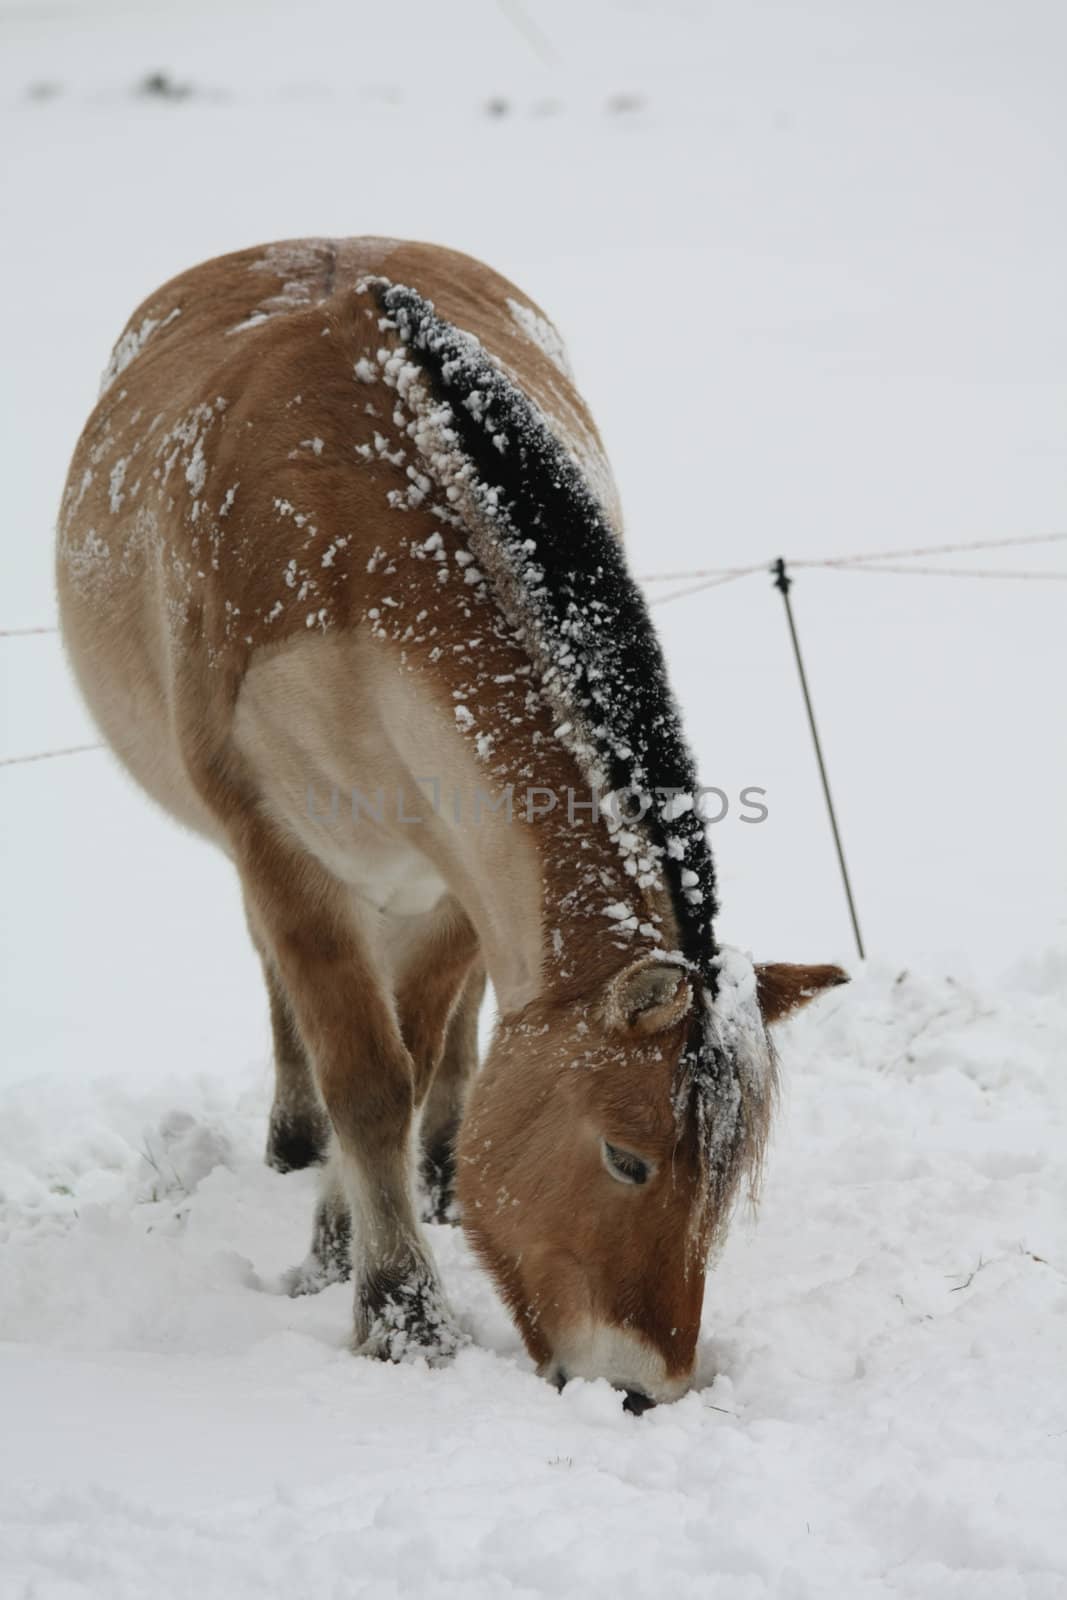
(727, 1089)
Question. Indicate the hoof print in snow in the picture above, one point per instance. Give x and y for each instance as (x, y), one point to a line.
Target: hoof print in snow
(406, 1321)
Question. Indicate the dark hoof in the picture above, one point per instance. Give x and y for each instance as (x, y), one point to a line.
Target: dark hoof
(291, 1145)
(637, 1403)
(406, 1320)
(312, 1276)
(330, 1257)
(437, 1181)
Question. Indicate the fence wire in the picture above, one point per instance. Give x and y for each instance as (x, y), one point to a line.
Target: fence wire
(695, 580)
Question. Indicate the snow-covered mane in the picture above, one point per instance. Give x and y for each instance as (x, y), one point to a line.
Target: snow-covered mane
(561, 579)
(569, 594)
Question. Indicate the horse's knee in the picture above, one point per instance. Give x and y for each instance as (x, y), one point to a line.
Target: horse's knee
(371, 1107)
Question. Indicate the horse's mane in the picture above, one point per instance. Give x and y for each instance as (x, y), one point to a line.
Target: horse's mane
(563, 583)
(590, 625)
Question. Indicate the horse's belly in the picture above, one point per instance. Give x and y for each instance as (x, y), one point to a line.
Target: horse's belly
(308, 731)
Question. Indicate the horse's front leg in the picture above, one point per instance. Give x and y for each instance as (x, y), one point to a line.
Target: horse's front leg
(343, 1008)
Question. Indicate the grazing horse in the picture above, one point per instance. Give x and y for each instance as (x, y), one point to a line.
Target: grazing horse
(341, 579)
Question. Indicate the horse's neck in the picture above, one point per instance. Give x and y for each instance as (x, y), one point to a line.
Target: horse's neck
(532, 859)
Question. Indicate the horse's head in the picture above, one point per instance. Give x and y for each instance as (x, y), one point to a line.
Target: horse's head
(583, 1169)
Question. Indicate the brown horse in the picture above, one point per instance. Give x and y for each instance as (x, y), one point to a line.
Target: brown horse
(341, 579)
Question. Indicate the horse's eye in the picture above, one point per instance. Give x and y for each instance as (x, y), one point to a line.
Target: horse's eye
(622, 1165)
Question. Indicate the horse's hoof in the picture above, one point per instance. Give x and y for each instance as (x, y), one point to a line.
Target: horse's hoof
(437, 1183)
(293, 1145)
(312, 1276)
(409, 1321)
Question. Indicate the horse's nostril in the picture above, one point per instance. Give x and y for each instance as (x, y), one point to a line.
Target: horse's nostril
(636, 1402)
(560, 1379)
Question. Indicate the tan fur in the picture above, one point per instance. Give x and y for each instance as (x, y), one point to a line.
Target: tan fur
(253, 605)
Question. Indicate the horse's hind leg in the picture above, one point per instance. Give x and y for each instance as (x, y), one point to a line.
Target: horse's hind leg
(443, 1109)
(299, 1130)
(298, 1133)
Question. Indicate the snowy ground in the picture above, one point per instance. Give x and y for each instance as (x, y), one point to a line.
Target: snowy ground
(810, 261)
(881, 1407)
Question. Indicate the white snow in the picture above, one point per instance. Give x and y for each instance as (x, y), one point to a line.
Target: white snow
(115, 482)
(618, 911)
(255, 320)
(880, 1406)
(540, 332)
(810, 263)
(196, 470)
(329, 555)
(676, 806)
(131, 344)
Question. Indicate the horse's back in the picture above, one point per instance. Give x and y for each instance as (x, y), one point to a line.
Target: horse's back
(232, 482)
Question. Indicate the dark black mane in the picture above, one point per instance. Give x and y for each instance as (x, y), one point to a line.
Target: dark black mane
(591, 618)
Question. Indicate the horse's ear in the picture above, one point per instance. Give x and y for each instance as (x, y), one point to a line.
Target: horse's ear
(646, 998)
(783, 988)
